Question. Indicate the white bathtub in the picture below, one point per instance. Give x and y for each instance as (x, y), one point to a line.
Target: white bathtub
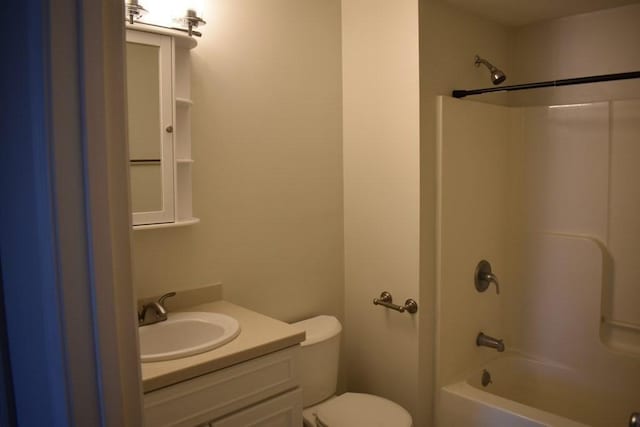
(527, 393)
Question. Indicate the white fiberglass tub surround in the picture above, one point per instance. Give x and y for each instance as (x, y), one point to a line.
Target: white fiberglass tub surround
(525, 392)
(559, 223)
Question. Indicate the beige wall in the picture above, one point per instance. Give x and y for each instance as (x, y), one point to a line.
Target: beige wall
(576, 46)
(381, 196)
(267, 178)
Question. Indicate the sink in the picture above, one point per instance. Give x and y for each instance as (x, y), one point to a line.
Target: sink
(186, 334)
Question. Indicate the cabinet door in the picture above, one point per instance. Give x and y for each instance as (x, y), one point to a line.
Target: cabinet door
(215, 395)
(150, 126)
(281, 411)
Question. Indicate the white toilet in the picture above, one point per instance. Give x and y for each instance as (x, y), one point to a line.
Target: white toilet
(319, 357)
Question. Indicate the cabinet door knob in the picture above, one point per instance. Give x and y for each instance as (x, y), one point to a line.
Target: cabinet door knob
(169, 129)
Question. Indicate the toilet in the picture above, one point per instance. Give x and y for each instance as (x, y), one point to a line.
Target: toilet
(319, 356)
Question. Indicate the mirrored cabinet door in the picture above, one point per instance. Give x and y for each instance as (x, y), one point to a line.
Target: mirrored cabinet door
(150, 127)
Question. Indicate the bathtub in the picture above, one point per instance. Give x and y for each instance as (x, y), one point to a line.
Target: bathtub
(529, 393)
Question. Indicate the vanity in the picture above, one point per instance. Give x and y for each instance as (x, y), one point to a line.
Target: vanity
(251, 377)
(251, 380)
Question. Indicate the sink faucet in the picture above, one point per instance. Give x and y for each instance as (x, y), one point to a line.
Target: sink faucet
(487, 341)
(160, 312)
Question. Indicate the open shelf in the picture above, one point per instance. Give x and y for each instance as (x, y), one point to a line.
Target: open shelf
(179, 223)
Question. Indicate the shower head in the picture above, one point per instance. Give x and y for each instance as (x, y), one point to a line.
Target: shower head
(497, 76)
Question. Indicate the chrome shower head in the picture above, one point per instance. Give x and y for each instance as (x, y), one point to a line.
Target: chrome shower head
(497, 76)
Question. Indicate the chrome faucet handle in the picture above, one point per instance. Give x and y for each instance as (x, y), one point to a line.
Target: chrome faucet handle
(490, 277)
(158, 308)
(161, 310)
(162, 299)
(484, 277)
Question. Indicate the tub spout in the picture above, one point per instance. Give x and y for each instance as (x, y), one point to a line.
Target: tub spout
(487, 341)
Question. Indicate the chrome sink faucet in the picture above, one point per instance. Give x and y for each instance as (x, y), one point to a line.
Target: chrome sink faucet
(158, 309)
(486, 341)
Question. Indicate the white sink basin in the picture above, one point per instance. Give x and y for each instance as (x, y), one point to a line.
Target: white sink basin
(186, 334)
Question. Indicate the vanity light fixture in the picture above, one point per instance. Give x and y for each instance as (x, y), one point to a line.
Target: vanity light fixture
(191, 20)
(166, 13)
(134, 10)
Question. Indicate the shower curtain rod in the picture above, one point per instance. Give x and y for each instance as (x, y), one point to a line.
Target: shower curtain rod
(550, 83)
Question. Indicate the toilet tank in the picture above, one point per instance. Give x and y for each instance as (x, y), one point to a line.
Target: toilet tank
(319, 358)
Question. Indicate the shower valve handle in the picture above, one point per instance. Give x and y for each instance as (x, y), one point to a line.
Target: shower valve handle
(484, 277)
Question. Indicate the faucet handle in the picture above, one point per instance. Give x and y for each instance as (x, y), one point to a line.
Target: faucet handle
(490, 277)
(157, 307)
(484, 276)
(162, 299)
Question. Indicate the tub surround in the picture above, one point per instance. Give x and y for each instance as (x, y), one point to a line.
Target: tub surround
(259, 336)
(558, 176)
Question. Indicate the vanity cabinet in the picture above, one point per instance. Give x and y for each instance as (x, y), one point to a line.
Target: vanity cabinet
(159, 126)
(263, 392)
(284, 410)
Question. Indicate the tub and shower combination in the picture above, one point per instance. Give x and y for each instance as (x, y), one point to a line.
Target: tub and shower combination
(553, 192)
(563, 366)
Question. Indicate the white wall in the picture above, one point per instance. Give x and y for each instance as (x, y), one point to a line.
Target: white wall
(381, 134)
(577, 46)
(267, 178)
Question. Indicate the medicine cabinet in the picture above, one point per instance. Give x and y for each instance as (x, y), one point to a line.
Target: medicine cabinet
(159, 127)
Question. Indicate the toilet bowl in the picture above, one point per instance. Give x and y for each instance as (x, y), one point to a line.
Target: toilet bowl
(356, 410)
(319, 359)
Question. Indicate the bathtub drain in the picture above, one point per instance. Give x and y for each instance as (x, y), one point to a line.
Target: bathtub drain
(486, 378)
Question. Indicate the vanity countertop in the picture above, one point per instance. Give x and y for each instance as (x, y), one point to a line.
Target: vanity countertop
(259, 335)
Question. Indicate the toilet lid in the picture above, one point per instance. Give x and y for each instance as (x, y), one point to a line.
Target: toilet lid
(362, 410)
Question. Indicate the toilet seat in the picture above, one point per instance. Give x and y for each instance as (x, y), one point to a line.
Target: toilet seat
(357, 410)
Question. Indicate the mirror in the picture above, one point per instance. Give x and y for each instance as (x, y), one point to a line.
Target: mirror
(150, 128)
(143, 102)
